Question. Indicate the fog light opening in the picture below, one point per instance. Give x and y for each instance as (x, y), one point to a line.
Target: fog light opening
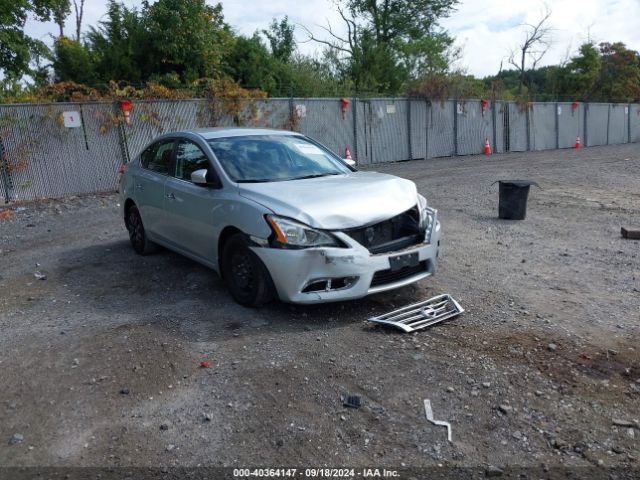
(329, 284)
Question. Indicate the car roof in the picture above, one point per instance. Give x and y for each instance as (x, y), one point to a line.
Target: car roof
(221, 132)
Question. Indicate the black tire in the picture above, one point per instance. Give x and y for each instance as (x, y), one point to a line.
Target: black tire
(244, 273)
(138, 237)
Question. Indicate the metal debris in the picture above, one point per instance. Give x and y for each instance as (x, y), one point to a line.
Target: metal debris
(421, 315)
(352, 401)
(631, 234)
(440, 423)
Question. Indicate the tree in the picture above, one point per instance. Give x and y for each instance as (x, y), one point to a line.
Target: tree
(16, 48)
(281, 39)
(583, 72)
(118, 47)
(78, 7)
(389, 41)
(536, 43)
(187, 37)
(72, 62)
(620, 74)
(60, 10)
(250, 64)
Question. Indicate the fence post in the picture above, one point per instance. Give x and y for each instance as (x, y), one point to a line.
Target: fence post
(427, 122)
(122, 135)
(291, 107)
(586, 124)
(455, 125)
(557, 123)
(528, 126)
(629, 123)
(608, 121)
(409, 128)
(4, 173)
(355, 126)
(493, 121)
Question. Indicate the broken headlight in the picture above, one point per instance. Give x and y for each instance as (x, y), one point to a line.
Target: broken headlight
(427, 217)
(288, 233)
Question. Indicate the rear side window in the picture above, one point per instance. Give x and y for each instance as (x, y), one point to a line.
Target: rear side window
(157, 157)
(189, 158)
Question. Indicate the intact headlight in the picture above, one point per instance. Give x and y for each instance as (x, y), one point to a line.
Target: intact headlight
(288, 233)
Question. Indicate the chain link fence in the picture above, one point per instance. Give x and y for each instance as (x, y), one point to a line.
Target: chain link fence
(57, 150)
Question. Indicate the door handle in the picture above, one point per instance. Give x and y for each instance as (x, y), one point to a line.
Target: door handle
(171, 196)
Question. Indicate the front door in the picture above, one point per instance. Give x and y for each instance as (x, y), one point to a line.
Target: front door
(190, 208)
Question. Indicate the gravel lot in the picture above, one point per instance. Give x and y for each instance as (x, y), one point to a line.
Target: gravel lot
(100, 361)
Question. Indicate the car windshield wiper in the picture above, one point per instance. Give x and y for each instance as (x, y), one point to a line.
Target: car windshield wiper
(316, 175)
(257, 180)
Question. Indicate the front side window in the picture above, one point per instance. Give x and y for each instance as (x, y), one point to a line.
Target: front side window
(189, 158)
(157, 158)
(273, 158)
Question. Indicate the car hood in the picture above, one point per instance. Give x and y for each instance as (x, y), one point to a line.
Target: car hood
(338, 201)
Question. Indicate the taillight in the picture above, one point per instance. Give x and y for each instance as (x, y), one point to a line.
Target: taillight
(122, 169)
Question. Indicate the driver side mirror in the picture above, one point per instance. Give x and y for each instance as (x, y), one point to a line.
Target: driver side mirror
(201, 177)
(349, 162)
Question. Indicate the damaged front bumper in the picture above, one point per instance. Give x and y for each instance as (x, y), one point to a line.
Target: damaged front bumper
(325, 274)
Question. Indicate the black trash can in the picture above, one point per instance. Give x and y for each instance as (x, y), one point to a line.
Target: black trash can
(513, 198)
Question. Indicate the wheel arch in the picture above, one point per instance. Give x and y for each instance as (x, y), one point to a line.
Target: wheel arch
(226, 234)
(128, 203)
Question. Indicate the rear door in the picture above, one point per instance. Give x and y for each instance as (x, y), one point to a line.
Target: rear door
(149, 185)
(189, 207)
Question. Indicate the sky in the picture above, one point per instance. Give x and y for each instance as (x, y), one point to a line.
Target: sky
(486, 30)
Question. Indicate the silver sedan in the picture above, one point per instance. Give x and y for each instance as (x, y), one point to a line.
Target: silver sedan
(277, 214)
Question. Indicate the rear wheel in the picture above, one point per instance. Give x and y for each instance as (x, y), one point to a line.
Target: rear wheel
(137, 235)
(246, 276)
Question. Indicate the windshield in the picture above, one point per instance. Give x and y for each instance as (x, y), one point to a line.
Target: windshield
(274, 158)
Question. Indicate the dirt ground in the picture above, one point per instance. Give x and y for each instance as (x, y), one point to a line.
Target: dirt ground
(99, 362)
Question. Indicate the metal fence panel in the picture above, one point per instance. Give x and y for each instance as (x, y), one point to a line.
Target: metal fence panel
(388, 132)
(543, 126)
(634, 122)
(269, 113)
(440, 129)
(517, 141)
(618, 130)
(363, 133)
(45, 159)
(474, 127)
(152, 118)
(323, 120)
(570, 124)
(597, 120)
(419, 112)
(499, 114)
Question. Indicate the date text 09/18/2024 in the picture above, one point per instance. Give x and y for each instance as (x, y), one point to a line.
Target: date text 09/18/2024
(346, 473)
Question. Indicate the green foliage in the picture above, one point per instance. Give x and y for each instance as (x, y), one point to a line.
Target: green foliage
(620, 73)
(281, 39)
(609, 72)
(390, 42)
(17, 50)
(117, 46)
(72, 62)
(188, 37)
(170, 48)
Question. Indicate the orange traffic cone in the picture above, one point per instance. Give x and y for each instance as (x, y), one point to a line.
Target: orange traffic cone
(487, 147)
(347, 154)
(578, 144)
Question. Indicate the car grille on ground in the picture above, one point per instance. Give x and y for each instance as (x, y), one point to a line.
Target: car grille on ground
(384, 277)
(393, 234)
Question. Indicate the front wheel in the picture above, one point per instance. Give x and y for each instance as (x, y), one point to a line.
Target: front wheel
(246, 276)
(137, 235)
